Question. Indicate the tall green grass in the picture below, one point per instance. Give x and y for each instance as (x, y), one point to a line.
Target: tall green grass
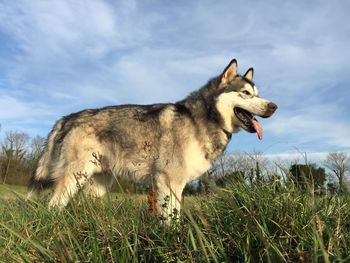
(240, 223)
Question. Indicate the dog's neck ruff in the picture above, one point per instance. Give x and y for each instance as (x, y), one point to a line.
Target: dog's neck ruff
(227, 133)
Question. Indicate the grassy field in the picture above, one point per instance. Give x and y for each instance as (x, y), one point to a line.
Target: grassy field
(11, 191)
(237, 224)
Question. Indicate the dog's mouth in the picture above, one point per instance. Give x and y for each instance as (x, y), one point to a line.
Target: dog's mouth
(250, 123)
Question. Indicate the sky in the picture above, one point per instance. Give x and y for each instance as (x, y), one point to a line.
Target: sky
(62, 56)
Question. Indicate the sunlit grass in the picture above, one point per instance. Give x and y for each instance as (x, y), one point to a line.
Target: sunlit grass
(240, 223)
(11, 191)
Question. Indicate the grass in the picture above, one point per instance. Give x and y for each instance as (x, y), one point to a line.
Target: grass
(240, 223)
(11, 191)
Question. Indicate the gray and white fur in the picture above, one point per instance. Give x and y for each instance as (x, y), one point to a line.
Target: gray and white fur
(171, 143)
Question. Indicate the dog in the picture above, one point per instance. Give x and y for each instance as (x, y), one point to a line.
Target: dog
(168, 144)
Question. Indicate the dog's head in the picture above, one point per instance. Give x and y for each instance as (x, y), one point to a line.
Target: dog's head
(238, 102)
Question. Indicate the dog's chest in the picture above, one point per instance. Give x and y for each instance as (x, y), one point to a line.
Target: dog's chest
(195, 162)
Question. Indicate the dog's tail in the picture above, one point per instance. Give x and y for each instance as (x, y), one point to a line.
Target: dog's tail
(40, 179)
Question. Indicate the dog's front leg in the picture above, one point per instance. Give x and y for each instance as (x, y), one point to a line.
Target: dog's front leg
(169, 197)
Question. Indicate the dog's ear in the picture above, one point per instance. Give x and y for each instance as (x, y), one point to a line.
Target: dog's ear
(249, 74)
(229, 73)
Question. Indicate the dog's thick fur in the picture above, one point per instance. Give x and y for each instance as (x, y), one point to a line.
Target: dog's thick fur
(171, 144)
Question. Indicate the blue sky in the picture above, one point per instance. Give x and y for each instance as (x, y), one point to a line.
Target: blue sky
(58, 57)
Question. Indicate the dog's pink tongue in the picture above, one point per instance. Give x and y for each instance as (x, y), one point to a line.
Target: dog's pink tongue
(258, 128)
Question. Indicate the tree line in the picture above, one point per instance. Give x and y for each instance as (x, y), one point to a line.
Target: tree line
(327, 177)
(18, 157)
(20, 153)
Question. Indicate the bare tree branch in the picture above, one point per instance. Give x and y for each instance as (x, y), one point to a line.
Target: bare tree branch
(339, 164)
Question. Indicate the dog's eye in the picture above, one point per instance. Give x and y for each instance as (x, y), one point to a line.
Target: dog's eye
(246, 92)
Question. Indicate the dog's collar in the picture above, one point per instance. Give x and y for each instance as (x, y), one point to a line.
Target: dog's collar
(227, 133)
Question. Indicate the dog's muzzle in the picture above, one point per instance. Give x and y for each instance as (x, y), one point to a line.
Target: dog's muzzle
(250, 123)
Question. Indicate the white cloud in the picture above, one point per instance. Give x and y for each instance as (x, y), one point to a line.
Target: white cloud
(13, 108)
(47, 29)
(66, 55)
(317, 123)
(298, 157)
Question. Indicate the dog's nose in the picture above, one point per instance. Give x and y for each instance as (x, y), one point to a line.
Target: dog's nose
(272, 107)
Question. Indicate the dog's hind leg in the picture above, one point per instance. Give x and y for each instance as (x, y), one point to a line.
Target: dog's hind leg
(71, 178)
(99, 184)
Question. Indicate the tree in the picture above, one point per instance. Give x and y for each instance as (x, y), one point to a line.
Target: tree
(257, 165)
(339, 164)
(331, 188)
(15, 144)
(221, 166)
(228, 164)
(14, 150)
(307, 176)
(36, 147)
